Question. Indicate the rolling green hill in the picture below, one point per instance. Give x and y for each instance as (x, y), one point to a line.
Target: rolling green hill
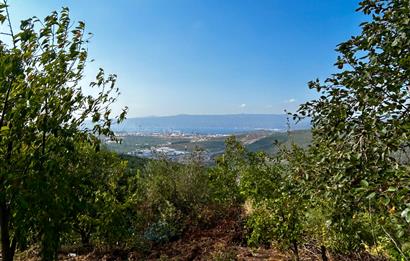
(270, 143)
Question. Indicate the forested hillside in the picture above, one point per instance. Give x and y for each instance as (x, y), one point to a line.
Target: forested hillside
(343, 195)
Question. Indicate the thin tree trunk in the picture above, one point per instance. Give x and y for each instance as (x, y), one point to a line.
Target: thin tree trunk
(6, 250)
(85, 239)
(295, 249)
(323, 252)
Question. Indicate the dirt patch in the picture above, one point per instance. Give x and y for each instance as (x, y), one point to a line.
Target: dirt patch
(222, 242)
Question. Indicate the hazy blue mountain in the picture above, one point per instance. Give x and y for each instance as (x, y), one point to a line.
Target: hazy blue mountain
(210, 124)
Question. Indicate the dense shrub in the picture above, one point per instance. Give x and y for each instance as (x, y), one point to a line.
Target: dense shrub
(225, 176)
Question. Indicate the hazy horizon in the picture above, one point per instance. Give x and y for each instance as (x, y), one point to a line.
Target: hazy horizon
(205, 114)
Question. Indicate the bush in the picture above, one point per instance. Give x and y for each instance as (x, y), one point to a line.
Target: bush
(176, 197)
(224, 177)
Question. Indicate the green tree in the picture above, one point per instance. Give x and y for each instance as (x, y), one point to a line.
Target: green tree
(110, 198)
(42, 117)
(361, 122)
(276, 188)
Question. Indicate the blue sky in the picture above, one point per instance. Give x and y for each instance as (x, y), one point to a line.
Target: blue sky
(209, 56)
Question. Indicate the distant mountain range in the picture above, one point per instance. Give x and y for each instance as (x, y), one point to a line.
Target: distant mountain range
(210, 124)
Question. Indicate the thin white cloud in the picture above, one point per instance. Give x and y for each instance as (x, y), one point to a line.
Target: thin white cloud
(291, 100)
(243, 105)
(269, 106)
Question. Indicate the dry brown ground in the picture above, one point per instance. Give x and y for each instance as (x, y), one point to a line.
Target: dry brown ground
(222, 242)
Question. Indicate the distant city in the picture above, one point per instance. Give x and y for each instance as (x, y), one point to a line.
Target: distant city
(176, 137)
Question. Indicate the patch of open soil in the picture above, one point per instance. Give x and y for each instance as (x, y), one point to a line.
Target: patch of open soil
(222, 242)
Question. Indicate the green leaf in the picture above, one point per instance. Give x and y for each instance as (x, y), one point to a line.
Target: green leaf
(391, 189)
(406, 214)
(4, 129)
(371, 195)
(385, 201)
(364, 183)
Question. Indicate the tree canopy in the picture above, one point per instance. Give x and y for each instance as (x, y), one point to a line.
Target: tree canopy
(42, 114)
